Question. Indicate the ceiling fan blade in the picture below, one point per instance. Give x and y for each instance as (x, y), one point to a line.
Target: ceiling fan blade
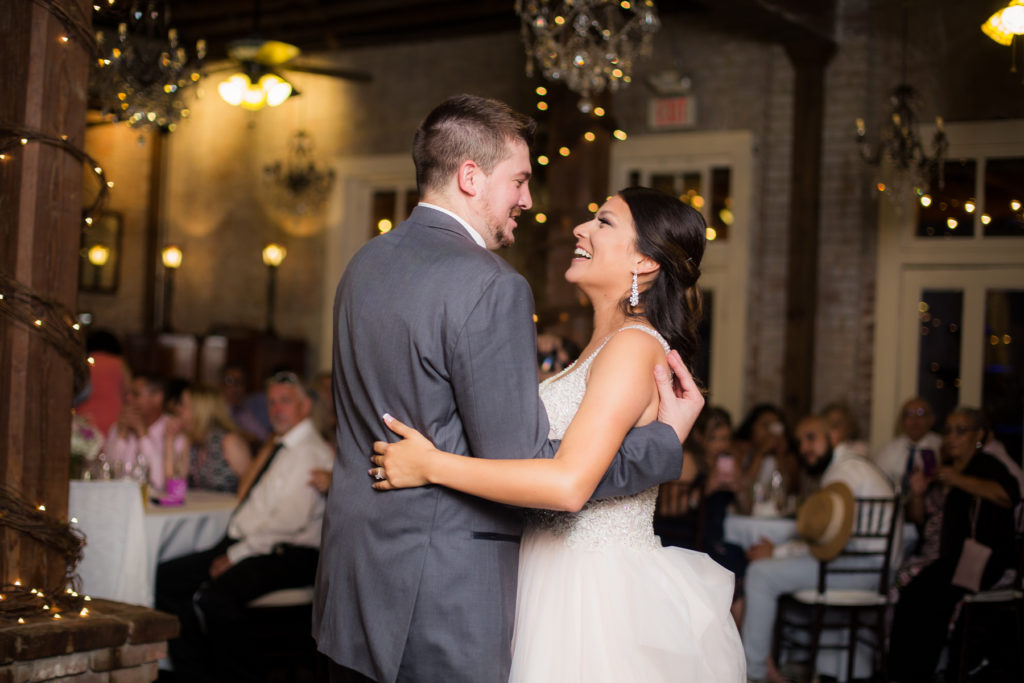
(276, 52)
(334, 72)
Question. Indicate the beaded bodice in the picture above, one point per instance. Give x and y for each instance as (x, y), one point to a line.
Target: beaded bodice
(618, 521)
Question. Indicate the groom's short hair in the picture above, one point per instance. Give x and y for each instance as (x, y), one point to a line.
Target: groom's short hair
(465, 127)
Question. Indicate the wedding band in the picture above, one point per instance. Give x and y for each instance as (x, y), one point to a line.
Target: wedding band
(379, 474)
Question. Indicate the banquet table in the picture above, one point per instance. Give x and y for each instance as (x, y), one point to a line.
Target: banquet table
(127, 536)
(746, 530)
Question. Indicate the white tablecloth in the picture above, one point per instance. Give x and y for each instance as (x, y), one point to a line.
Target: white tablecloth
(126, 540)
(745, 531)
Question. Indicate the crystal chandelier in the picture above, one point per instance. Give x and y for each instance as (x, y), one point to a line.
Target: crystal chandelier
(899, 152)
(297, 185)
(589, 45)
(145, 71)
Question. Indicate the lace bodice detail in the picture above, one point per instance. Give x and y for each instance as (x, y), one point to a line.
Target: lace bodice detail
(619, 521)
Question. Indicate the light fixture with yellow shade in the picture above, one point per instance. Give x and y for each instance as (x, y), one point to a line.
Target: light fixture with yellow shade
(253, 92)
(99, 255)
(1006, 23)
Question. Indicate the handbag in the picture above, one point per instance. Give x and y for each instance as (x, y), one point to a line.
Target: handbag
(973, 557)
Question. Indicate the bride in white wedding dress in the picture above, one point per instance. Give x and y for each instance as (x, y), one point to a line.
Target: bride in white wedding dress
(599, 599)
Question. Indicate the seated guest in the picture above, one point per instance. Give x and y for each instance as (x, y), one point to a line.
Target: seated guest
(218, 455)
(272, 542)
(108, 381)
(233, 386)
(765, 463)
(979, 504)
(138, 436)
(775, 570)
(916, 446)
(843, 427)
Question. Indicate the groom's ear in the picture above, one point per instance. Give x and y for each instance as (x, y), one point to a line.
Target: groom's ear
(468, 177)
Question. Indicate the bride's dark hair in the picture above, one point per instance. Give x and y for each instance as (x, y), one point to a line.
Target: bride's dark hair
(673, 234)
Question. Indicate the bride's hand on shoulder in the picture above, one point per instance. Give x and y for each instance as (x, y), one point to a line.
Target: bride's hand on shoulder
(402, 464)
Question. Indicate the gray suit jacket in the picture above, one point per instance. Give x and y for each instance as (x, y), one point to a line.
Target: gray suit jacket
(420, 584)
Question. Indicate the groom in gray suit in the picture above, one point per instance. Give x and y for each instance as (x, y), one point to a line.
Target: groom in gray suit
(431, 326)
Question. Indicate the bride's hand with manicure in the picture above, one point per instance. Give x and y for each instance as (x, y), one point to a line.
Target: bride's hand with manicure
(402, 464)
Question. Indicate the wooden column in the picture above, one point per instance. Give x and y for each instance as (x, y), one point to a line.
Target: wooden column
(44, 90)
(809, 58)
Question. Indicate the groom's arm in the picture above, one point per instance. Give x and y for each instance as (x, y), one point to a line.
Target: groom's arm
(494, 377)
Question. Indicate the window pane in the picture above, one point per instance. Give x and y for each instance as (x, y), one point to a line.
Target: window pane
(383, 214)
(664, 182)
(946, 214)
(1003, 376)
(938, 372)
(1004, 192)
(720, 217)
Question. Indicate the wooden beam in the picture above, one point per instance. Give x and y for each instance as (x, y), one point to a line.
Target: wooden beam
(40, 195)
(809, 59)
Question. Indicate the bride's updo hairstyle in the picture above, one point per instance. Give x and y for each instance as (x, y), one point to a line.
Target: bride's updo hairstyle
(672, 234)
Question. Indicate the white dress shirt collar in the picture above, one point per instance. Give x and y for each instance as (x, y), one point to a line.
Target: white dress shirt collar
(472, 233)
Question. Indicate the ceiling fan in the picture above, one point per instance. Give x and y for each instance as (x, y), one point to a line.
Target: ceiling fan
(259, 63)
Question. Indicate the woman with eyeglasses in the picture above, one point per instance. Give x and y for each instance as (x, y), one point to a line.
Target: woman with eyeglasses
(981, 495)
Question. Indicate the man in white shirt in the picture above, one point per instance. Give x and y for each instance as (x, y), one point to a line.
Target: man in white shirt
(915, 447)
(272, 542)
(137, 438)
(776, 570)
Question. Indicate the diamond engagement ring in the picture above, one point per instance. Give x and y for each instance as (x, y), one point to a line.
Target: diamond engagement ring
(379, 474)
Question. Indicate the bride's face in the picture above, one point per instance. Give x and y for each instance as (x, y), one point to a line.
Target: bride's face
(606, 254)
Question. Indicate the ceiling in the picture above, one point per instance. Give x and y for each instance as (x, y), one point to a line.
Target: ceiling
(329, 25)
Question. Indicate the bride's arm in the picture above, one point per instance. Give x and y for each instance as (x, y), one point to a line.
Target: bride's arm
(620, 394)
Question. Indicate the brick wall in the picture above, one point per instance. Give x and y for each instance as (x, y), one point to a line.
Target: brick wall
(116, 643)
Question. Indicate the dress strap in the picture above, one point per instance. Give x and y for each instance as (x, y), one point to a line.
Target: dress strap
(649, 330)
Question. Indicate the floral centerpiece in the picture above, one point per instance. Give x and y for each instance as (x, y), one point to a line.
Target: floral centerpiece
(86, 444)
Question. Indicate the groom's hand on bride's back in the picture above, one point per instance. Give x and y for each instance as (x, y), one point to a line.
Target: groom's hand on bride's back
(681, 398)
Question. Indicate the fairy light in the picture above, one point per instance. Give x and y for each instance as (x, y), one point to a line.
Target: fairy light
(88, 220)
(969, 206)
(84, 612)
(543, 160)
(24, 141)
(589, 136)
(39, 323)
(541, 90)
(64, 39)
(564, 151)
(619, 134)
(90, 360)
(41, 508)
(926, 200)
(542, 105)
(21, 620)
(592, 207)
(541, 218)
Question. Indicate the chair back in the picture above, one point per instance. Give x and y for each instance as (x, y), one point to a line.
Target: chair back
(869, 550)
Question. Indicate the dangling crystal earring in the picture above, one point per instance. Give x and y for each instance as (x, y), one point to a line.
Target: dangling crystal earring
(634, 292)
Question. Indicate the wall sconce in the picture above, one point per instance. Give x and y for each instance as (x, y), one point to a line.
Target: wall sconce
(1006, 23)
(172, 257)
(273, 256)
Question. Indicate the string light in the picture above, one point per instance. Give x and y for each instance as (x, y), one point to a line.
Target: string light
(564, 151)
(542, 105)
(589, 136)
(541, 90)
(543, 160)
(541, 218)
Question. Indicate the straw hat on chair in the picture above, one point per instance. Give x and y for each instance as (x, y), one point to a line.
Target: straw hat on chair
(825, 520)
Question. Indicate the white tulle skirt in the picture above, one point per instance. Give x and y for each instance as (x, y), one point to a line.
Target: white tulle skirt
(620, 614)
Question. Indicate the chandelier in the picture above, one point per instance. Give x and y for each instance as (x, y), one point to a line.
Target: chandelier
(589, 45)
(145, 71)
(900, 151)
(297, 185)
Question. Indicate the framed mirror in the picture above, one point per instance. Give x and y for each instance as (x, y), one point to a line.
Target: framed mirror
(100, 255)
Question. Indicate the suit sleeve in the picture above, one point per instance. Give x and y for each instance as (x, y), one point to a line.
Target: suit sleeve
(494, 377)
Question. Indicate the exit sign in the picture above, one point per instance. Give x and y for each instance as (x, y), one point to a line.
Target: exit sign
(672, 112)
